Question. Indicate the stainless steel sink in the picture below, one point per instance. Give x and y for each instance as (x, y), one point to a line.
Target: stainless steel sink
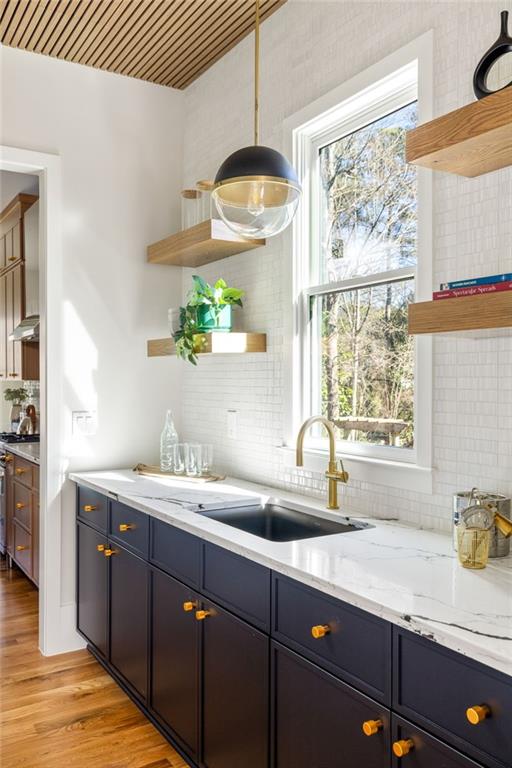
(276, 521)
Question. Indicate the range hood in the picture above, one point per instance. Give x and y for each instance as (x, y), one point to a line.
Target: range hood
(27, 330)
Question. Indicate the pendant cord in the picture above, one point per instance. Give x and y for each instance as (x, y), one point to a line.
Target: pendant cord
(257, 74)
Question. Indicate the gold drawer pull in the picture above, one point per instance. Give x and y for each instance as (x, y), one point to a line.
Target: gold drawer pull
(402, 747)
(12, 258)
(188, 605)
(8, 457)
(371, 727)
(89, 508)
(202, 615)
(21, 547)
(20, 471)
(109, 552)
(478, 713)
(19, 505)
(100, 547)
(126, 527)
(320, 630)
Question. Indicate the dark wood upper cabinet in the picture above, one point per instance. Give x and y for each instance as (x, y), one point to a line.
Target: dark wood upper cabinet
(18, 360)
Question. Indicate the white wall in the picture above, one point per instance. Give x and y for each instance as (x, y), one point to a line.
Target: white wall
(120, 143)
(11, 184)
(307, 49)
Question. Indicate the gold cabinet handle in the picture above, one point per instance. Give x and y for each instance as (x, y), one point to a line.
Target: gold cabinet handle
(371, 727)
(202, 615)
(21, 547)
(20, 471)
(109, 552)
(126, 527)
(89, 508)
(320, 630)
(402, 747)
(19, 505)
(8, 457)
(12, 258)
(478, 713)
(188, 605)
(100, 547)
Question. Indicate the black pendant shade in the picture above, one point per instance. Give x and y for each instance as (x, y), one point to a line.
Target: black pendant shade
(256, 161)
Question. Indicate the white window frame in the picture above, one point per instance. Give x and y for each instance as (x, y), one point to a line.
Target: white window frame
(401, 78)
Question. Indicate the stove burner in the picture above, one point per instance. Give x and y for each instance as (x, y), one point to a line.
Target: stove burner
(12, 437)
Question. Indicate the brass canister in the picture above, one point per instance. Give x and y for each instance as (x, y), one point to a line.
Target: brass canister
(499, 545)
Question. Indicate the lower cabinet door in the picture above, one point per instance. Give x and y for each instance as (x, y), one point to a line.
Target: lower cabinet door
(413, 748)
(92, 587)
(235, 692)
(175, 659)
(318, 720)
(129, 601)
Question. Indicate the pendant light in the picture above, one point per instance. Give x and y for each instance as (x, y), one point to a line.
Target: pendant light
(256, 189)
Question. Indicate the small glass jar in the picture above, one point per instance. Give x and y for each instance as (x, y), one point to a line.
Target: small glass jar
(205, 187)
(190, 200)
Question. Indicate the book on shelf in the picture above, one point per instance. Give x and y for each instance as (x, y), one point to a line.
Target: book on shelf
(474, 290)
(504, 277)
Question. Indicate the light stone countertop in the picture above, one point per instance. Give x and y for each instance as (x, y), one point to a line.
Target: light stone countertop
(403, 574)
(29, 451)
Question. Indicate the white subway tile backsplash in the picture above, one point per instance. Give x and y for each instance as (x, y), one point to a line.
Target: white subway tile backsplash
(309, 48)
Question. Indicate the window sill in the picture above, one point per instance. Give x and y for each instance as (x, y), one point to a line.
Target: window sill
(408, 477)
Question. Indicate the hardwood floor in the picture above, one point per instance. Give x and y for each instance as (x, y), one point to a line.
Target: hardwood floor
(64, 711)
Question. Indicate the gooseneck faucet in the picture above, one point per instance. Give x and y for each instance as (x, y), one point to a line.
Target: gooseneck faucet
(333, 474)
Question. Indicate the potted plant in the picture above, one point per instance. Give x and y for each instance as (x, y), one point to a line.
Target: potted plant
(17, 397)
(208, 308)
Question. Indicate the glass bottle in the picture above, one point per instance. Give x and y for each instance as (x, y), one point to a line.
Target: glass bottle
(168, 440)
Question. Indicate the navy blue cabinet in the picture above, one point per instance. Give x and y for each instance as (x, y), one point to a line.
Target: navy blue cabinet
(175, 673)
(235, 691)
(318, 720)
(244, 668)
(129, 615)
(92, 591)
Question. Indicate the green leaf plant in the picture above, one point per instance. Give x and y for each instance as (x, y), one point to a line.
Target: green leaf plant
(217, 296)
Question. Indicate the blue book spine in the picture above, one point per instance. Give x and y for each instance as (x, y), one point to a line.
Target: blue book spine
(490, 280)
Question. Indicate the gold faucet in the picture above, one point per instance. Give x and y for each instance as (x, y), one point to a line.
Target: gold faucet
(333, 474)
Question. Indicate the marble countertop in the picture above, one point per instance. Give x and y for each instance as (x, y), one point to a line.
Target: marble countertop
(408, 576)
(29, 451)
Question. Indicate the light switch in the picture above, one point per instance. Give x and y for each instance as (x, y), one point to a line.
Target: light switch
(232, 430)
(84, 423)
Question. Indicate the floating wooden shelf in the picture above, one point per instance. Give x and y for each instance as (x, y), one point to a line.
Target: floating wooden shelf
(470, 141)
(213, 343)
(208, 241)
(464, 313)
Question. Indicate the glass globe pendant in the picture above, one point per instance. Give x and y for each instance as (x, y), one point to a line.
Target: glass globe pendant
(256, 189)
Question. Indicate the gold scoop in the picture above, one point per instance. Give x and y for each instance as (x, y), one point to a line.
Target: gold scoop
(503, 525)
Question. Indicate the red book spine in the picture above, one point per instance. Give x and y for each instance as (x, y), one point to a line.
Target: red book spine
(474, 290)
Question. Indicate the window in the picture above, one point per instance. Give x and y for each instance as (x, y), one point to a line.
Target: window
(361, 255)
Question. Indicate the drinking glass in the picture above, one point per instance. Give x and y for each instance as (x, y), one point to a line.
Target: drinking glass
(206, 459)
(473, 546)
(179, 458)
(193, 460)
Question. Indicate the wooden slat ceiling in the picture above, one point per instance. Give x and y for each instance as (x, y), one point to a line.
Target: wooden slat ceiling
(170, 42)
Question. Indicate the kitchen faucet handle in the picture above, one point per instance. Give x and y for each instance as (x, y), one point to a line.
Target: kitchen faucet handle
(343, 474)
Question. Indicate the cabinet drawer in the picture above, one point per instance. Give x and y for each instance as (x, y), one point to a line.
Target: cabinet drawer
(238, 584)
(176, 552)
(425, 750)
(23, 471)
(318, 720)
(356, 646)
(23, 549)
(130, 527)
(435, 686)
(93, 508)
(22, 498)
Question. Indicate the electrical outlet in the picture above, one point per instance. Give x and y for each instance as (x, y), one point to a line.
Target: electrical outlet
(84, 423)
(232, 430)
